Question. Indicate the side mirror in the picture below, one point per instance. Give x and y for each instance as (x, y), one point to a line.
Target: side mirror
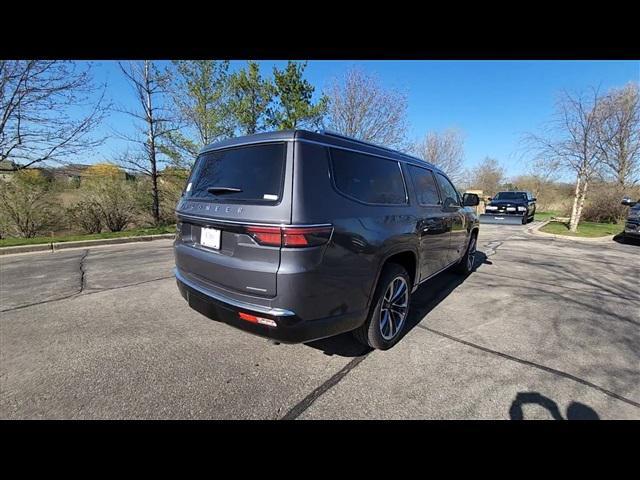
(534, 199)
(628, 202)
(489, 199)
(470, 200)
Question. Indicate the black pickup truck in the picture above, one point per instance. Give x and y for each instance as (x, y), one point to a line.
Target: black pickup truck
(510, 208)
(632, 225)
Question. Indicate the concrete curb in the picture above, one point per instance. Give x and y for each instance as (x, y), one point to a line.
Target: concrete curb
(536, 231)
(53, 246)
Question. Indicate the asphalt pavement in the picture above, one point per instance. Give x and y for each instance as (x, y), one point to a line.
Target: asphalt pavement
(544, 328)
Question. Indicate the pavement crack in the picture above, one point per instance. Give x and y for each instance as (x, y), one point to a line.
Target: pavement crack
(535, 365)
(299, 408)
(83, 292)
(83, 280)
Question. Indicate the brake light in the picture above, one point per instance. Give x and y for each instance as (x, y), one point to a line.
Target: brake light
(290, 236)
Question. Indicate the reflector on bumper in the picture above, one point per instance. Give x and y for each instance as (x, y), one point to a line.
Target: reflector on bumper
(253, 319)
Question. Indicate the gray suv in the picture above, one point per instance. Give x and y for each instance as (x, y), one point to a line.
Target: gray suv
(298, 235)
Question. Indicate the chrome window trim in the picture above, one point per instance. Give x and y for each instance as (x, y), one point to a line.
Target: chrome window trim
(257, 224)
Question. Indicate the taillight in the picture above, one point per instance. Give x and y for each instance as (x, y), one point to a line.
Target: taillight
(290, 236)
(266, 235)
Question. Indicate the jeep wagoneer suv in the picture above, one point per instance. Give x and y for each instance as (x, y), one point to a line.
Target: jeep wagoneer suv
(297, 235)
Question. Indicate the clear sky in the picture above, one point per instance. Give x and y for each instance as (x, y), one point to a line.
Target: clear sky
(492, 102)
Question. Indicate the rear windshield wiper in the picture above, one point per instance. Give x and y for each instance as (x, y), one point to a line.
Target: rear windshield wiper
(221, 190)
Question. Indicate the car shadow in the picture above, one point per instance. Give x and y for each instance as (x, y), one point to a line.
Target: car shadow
(620, 238)
(424, 299)
(575, 410)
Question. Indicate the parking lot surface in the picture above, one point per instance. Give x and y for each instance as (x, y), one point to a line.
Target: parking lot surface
(543, 329)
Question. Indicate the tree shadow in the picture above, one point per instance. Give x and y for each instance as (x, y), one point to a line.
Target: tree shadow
(575, 410)
(424, 299)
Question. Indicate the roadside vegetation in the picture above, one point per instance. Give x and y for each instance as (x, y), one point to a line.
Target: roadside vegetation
(544, 216)
(585, 229)
(135, 232)
(50, 115)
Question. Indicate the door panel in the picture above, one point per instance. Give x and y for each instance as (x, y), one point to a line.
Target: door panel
(434, 240)
(432, 226)
(452, 207)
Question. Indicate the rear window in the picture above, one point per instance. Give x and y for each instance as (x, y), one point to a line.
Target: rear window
(257, 171)
(510, 196)
(367, 178)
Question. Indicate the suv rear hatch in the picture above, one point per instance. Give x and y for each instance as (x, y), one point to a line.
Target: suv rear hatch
(228, 218)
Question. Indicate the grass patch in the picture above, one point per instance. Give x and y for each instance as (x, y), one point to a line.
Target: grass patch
(544, 216)
(135, 232)
(585, 229)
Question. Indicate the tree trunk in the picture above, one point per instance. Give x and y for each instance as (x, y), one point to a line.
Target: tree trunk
(581, 203)
(573, 224)
(152, 149)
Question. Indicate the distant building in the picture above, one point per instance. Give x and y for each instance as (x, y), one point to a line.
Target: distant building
(71, 172)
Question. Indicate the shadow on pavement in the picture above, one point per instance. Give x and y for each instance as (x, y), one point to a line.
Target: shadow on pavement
(423, 300)
(575, 410)
(621, 238)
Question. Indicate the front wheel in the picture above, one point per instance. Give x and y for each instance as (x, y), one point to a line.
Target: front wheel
(387, 318)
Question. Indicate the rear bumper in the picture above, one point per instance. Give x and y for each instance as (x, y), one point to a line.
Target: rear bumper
(290, 328)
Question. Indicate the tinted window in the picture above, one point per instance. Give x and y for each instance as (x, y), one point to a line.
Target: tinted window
(367, 178)
(448, 190)
(510, 196)
(425, 185)
(256, 170)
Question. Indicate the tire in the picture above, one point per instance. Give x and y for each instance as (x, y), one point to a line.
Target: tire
(467, 262)
(375, 332)
(525, 220)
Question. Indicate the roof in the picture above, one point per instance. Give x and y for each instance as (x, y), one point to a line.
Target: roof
(324, 137)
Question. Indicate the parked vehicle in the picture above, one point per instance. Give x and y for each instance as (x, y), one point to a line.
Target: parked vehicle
(510, 208)
(632, 225)
(297, 235)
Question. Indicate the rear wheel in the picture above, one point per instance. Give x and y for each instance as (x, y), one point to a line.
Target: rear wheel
(468, 261)
(387, 318)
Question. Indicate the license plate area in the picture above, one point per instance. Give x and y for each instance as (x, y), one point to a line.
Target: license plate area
(210, 238)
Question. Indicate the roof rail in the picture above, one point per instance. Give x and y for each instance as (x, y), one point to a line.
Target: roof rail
(364, 142)
(347, 137)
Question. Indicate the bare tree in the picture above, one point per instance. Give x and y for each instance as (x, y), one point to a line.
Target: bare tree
(571, 139)
(39, 104)
(154, 124)
(360, 107)
(487, 176)
(619, 134)
(445, 150)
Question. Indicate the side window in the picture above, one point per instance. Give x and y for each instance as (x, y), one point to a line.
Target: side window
(425, 185)
(447, 189)
(367, 178)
